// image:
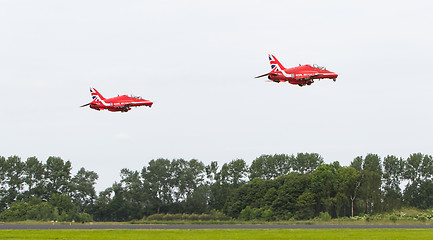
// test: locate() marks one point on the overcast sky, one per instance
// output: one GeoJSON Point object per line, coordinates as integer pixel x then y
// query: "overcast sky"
{"type": "Point", "coordinates": [197, 61]}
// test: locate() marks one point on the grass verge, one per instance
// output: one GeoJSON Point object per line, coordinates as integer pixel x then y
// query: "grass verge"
{"type": "Point", "coordinates": [357, 234]}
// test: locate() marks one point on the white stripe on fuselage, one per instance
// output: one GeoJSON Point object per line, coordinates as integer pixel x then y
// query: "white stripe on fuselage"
{"type": "Point", "coordinates": [104, 103]}
{"type": "Point", "coordinates": [118, 104]}
{"type": "Point", "coordinates": [292, 75]}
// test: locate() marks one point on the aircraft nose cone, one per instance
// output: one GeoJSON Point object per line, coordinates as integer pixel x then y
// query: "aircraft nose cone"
{"type": "Point", "coordinates": [333, 75]}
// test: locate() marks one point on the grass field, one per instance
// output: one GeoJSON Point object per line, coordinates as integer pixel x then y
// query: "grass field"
{"type": "Point", "coordinates": [357, 234]}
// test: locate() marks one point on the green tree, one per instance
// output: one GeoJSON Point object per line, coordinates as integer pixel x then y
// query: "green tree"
{"type": "Point", "coordinates": [348, 181]}
{"type": "Point", "coordinates": [305, 162]}
{"type": "Point", "coordinates": [419, 173]}
{"type": "Point", "coordinates": [419, 167]}
{"type": "Point", "coordinates": [269, 166]}
{"type": "Point", "coordinates": [234, 172]}
{"type": "Point", "coordinates": [187, 176]}
{"type": "Point", "coordinates": [198, 200]}
{"type": "Point", "coordinates": [305, 205]}
{"type": "Point", "coordinates": [159, 176]}
{"type": "Point", "coordinates": [34, 178]}
{"type": "Point", "coordinates": [31, 209]}
{"type": "Point", "coordinates": [100, 210]}
{"type": "Point", "coordinates": [63, 203]}
{"type": "Point", "coordinates": [425, 195]}
{"type": "Point", "coordinates": [323, 184]}
{"type": "Point", "coordinates": [413, 167]}
{"type": "Point", "coordinates": [12, 171]}
{"type": "Point", "coordinates": [3, 189]}
{"type": "Point", "coordinates": [16, 212]}
{"type": "Point", "coordinates": [136, 194]}
{"type": "Point", "coordinates": [246, 214]}
{"type": "Point", "coordinates": [83, 188]}
{"type": "Point", "coordinates": [57, 177]}
{"type": "Point", "coordinates": [117, 208]}
{"type": "Point", "coordinates": [218, 187]}
{"type": "Point", "coordinates": [369, 190]}
{"type": "Point", "coordinates": [230, 177]}
{"type": "Point", "coordinates": [357, 163]}
{"type": "Point", "coordinates": [290, 188]}
{"type": "Point", "coordinates": [393, 174]}
{"type": "Point", "coordinates": [257, 193]}
{"type": "Point", "coordinates": [211, 172]}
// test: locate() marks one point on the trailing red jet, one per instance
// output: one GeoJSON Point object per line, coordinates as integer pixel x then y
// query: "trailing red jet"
{"type": "Point", "coordinates": [116, 104]}
{"type": "Point", "coordinates": [301, 75]}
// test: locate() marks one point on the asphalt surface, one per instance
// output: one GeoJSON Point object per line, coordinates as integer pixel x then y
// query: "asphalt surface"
{"type": "Point", "coordinates": [138, 226]}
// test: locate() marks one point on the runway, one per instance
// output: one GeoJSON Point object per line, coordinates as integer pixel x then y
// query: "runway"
{"type": "Point", "coordinates": [197, 227]}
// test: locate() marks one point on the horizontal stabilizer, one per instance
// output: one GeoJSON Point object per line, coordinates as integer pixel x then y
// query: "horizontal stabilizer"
{"type": "Point", "coordinates": [264, 75]}
{"type": "Point", "coordinates": [85, 105]}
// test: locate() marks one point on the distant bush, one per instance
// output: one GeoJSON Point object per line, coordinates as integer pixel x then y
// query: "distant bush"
{"type": "Point", "coordinates": [36, 209]}
{"type": "Point", "coordinates": [377, 217]}
{"type": "Point", "coordinates": [218, 215]}
{"type": "Point", "coordinates": [172, 217]}
{"type": "Point", "coordinates": [286, 216]}
{"type": "Point", "coordinates": [193, 217]}
{"type": "Point", "coordinates": [85, 217]}
{"type": "Point", "coordinates": [268, 215]}
{"type": "Point", "coordinates": [393, 218]}
{"type": "Point", "coordinates": [155, 217]}
{"type": "Point", "coordinates": [421, 218]}
{"type": "Point", "coordinates": [356, 218]}
{"type": "Point", "coordinates": [246, 213]}
{"type": "Point", "coordinates": [205, 217]}
{"type": "Point", "coordinates": [213, 216]}
{"type": "Point", "coordinates": [249, 213]}
{"type": "Point", "coordinates": [367, 218]}
{"type": "Point", "coordinates": [324, 216]}
{"type": "Point", "coordinates": [16, 212]}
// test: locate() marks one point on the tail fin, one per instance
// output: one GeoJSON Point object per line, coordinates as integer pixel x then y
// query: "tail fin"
{"type": "Point", "coordinates": [96, 96]}
{"type": "Point", "coordinates": [275, 64]}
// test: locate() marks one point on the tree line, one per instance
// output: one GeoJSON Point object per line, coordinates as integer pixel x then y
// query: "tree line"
{"type": "Point", "coordinates": [273, 187]}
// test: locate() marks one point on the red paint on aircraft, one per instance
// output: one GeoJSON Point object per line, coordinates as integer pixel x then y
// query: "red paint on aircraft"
{"type": "Point", "coordinates": [116, 104]}
{"type": "Point", "coordinates": [301, 75]}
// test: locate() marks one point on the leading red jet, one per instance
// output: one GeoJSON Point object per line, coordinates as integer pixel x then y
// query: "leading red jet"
{"type": "Point", "coordinates": [116, 104]}
{"type": "Point", "coordinates": [301, 75]}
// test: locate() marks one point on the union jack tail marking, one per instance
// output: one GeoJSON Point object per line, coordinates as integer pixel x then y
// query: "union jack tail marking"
{"type": "Point", "coordinates": [275, 64]}
{"type": "Point", "coordinates": [96, 96]}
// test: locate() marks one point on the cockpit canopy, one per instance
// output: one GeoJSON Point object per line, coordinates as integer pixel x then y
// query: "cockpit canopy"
{"type": "Point", "coordinates": [133, 96]}
{"type": "Point", "coordinates": [318, 67]}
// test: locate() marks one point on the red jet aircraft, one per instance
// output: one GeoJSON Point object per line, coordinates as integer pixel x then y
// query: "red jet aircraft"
{"type": "Point", "coordinates": [301, 75]}
{"type": "Point", "coordinates": [116, 104]}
